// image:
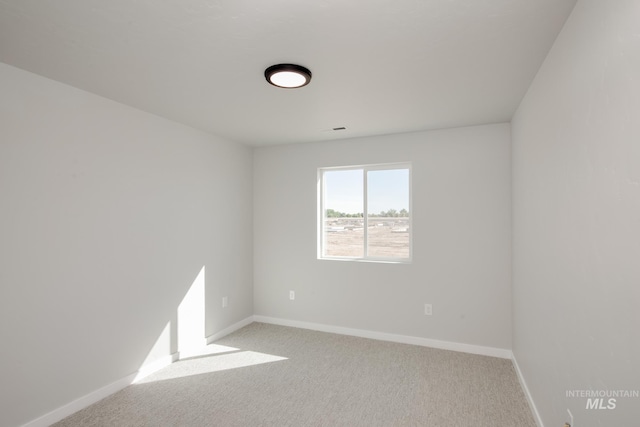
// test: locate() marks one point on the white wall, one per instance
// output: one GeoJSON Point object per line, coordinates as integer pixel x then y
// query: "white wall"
{"type": "Point", "coordinates": [576, 191]}
{"type": "Point", "coordinates": [107, 216]}
{"type": "Point", "coordinates": [461, 260]}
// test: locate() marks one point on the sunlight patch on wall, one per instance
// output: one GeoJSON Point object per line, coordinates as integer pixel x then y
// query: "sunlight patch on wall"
{"type": "Point", "coordinates": [191, 317]}
{"type": "Point", "coordinates": [162, 346]}
{"type": "Point", "coordinates": [159, 356]}
{"type": "Point", "coordinates": [184, 334]}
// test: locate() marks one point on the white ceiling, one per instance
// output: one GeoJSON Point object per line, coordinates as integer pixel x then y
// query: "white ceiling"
{"type": "Point", "coordinates": [379, 66]}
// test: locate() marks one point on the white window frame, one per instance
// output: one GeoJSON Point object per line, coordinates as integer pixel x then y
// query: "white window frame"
{"type": "Point", "coordinates": [322, 209]}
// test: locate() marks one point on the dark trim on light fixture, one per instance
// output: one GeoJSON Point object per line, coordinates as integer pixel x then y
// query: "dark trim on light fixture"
{"type": "Point", "coordinates": [288, 76]}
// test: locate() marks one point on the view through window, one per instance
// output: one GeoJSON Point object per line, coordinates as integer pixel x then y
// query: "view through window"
{"type": "Point", "coordinates": [366, 212]}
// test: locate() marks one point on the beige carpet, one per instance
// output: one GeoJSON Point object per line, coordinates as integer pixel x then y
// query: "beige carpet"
{"type": "Point", "coordinates": [266, 375]}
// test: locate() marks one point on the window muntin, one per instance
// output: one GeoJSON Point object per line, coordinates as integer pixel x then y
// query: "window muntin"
{"type": "Point", "coordinates": [365, 213]}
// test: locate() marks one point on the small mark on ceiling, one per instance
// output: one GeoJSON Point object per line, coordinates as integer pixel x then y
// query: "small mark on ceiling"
{"type": "Point", "coordinates": [333, 129]}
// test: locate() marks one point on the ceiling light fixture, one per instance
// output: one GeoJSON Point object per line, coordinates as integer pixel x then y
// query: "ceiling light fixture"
{"type": "Point", "coordinates": [288, 76]}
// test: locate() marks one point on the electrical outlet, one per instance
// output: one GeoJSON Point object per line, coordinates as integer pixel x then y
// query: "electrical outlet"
{"type": "Point", "coordinates": [428, 310]}
{"type": "Point", "coordinates": [570, 418]}
{"type": "Point", "coordinates": [292, 295]}
{"type": "Point", "coordinates": [225, 302]}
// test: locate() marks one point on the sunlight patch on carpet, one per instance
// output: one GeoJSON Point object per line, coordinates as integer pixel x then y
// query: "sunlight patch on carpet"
{"type": "Point", "coordinates": [213, 363]}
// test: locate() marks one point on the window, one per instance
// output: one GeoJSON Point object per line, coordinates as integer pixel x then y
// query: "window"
{"type": "Point", "coordinates": [365, 212]}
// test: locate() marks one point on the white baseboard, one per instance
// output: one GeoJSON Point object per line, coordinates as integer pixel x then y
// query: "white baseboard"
{"type": "Point", "coordinates": [93, 397]}
{"type": "Point", "coordinates": [523, 383]}
{"type": "Point", "coordinates": [226, 331]}
{"type": "Point", "coordinates": [81, 403]}
{"type": "Point", "coordinates": [382, 336]}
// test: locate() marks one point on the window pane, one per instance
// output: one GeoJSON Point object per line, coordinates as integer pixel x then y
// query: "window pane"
{"type": "Point", "coordinates": [388, 209]}
{"type": "Point", "coordinates": [343, 213]}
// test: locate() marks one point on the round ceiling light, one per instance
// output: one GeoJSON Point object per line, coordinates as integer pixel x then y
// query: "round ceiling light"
{"type": "Point", "coordinates": [288, 76]}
